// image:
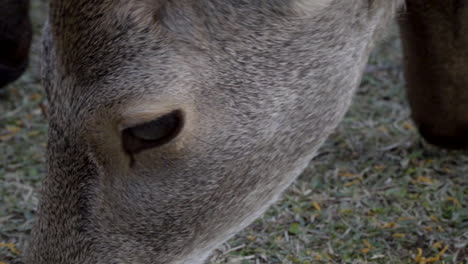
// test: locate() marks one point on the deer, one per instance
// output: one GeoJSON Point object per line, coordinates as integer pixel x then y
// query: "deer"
{"type": "Point", "coordinates": [15, 39]}
{"type": "Point", "coordinates": [173, 124]}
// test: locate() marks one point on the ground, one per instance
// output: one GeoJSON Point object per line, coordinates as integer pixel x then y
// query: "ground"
{"type": "Point", "coordinates": [376, 192]}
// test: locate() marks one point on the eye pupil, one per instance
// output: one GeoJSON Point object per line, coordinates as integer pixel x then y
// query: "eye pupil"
{"type": "Point", "coordinates": [152, 134]}
{"type": "Point", "coordinates": [156, 129]}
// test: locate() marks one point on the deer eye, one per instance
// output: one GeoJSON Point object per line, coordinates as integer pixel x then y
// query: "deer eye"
{"type": "Point", "coordinates": [152, 134]}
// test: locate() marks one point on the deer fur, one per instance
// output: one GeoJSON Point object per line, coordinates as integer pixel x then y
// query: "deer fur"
{"type": "Point", "coordinates": [15, 39]}
{"type": "Point", "coordinates": [435, 45]}
{"type": "Point", "coordinates": [261, 83]}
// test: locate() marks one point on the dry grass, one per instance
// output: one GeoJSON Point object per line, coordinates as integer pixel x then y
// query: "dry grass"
{"type": "Point", "coordinates": [375, 194]}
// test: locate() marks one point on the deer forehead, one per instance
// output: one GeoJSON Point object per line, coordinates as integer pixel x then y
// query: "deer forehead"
{"type": "Point", "coordinates": [123, 52]}
{"type": "Point", "coordinates": [309, 7]}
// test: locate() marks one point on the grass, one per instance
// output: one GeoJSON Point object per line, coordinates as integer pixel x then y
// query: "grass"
{"type": "Point", "coordinates": [376, 193]}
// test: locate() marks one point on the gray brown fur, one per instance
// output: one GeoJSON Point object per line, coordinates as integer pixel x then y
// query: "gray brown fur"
{"type": "Point", "coordinates": [262, 85]}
